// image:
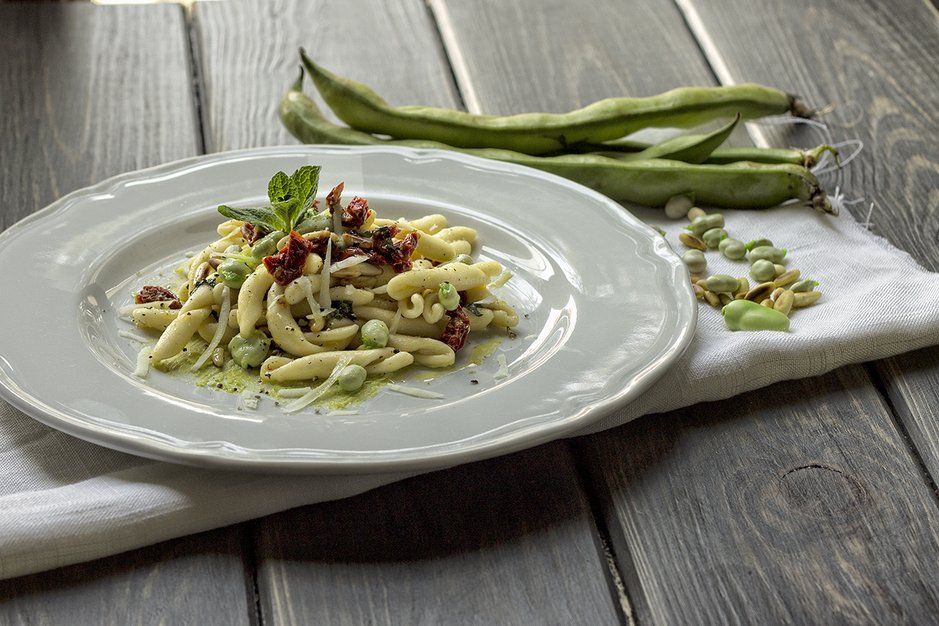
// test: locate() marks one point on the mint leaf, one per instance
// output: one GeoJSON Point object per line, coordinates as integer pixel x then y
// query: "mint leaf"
{"type": "Point", "coordinates": [259, 216]}
{"type": "Point", "coordinates": [283, 212]}
{"type": "Point", "coordinates": [306, 180]}
{"type": "Point", "coordinates": [281, 188]}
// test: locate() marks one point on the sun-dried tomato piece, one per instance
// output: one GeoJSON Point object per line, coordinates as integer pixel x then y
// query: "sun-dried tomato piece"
{"type": "Point", "coordinates": [351, 251]}
{"type": "Point", "coordinates": [152, 293]}
{"type": "Point", "coordinates": [334, 197]}
{"type": "Point", "coordinates": [403, 251]}
{"type": "Point", "coordinates": [397, 254]}
{"type": "Point", "coordinates": [454, 335]}
{"type": "Point", "coordinates": [355, 213]}
{"type": "Point", "coordinates": [251, 233]}
{"type": "Point", "coordinates": [287, 265]}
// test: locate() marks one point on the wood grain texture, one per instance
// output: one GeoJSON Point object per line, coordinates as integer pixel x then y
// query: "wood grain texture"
{"type": "Point", "coordinates": [718, 513]}
{"type": "Point", "coordinates": [879, 64]}
{"type": "Point", "coordinates": [87, 92]}
{"type": "Point", "coordinates": [508, 541]}
{"type": "Point", "coordinates": [248, 53]}
{"type": "Point", "coordinates": [912, 382]}
{"type": "Point", "coordinates": [762, 511]}
{"type": "Point", "coordinates": [199, 579]}
{"type": "Point", "coordinates": [496, 542]}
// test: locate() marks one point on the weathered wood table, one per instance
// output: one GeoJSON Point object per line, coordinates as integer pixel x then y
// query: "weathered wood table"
{"type": "Point", "coordinates": [809, 501]}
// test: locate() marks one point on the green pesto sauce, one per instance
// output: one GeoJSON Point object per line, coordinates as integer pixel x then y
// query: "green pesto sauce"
{"type": "Point", "coordinates": [232, 379]}
{"type": "Point", "coordinates": [485, 349]}
{"type": "Point", "coordinates": [336, 399]}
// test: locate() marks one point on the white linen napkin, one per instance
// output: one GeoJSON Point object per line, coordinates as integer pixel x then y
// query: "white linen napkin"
{"type": "Point", "coordinates": [64, 501]}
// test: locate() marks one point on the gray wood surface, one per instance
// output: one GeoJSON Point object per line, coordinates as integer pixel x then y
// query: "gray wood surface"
{"type": "Point", "coordinates": [200, 579]}
{"type": "Point", "coordinates": [504, 541]}
{"type": "Point", "coordinates": [491, 543]}
{"type": "Point", "coordinates": [877, 62]}
{"type": "Point", "coordinates": [757, 511]}
{"type": "Point", "coordinates": [248, 53]}
{"type": "Point", "coordinates": [88, 92]}
{"type": "Point", "coordinates": [695, 539]}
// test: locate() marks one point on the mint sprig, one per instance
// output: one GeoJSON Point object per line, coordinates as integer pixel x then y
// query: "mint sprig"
{"type": "Point", "coordinates": [291, 199]}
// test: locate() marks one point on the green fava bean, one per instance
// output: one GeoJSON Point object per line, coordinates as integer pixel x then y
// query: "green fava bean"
{"type": "Point", "coordinates": [266, 245]}
{"type": "Point", "coordinates": [748, 315]}
{"type": "Point", "coordinates": [233, 272]}
{"type": "Point", "coordinates": [352, 377]}
{"type": "Point", "coordinates": [769, 253]}
{"type": "Point", "coordinates": [757, 243]}
{"type": "Point", "coordinates": [651, 182]}
{"type": "Point", "coordinates": [721, 283]}
{"type": "Point", "coordinates": [321, 221]}
{"type": "Point", "coordinates": [803, 286]}
{"type": "Point", "coordinates": [702, 224]}
{"type": "Point", "coordinates": [677, 207]}
{"type": "Point", "coordinates": [695, 261]}
{"type": "Point", "coordinates": [762, 271]}
{"type": "Point", "coordinates": [461, 258]}
{"type": "Point", "coordinates": [375, 334]}
{"type": "Point", "coordinates": [713, 238]}
{"type": "Point", "coordinates": [733, 249]}
{"type": "Point", "coordinates": [448, 295]}
{"type": "Point", "coordinates": [249, 351]}
{"type": "Point", "coordinates": [362, 108]}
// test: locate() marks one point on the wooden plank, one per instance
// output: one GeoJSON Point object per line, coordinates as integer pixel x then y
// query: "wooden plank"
{"type": "Point", "coordinates": [405, 553]}
{"type": "Point", "coordinates": [761, 511]}
{"type": "Point", "coordinates": [879, 64]}
{"type": "Point", "coordinates": [89, 92]}
{"type": "Point", "coordinates": [501, 541]}
{"type": "Point", "coordinates": [554, 55]}
{"type": "Point", "coordinates": [718, 513]}
{"type": "Point", "coordinates": [248, 53]}
{"type": "Point", "coordinates": [196, 580]}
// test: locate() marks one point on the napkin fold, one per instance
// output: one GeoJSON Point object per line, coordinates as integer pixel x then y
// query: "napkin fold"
{"type": "Point", "coordinates": [64, 501]}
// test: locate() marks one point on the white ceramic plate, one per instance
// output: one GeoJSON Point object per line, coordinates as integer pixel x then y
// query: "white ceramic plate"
{"type": "Point", "coordinates": [607, 308]}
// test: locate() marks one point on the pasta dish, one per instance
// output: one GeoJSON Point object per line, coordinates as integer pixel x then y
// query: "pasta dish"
{"type": "Point", "coordinates": [297, 294]}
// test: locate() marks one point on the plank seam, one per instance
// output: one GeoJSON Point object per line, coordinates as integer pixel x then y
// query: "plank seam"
{"type": "Point", "coordinates": [882, 386]}
{"type": "Point", "coordinates": [622, 599]}
{"type": "Point", "coordinates": [459, 69]}
{"type": "Point", "coordinates": [250, 560]}
{"type": "Point", "coordinates": [714, 60]}
{"type": "Point", "coordinates": [197, 85]}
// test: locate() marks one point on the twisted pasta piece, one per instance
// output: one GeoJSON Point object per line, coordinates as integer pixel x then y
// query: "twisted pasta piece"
{"type": "Point", "coordinates": [157, 319]}
{"type": "Point", "coordinates": [411, 308]}
{"type": "Point", "coordinates": [433, 311]}
{"type": "Point", "coordinates": [336, 338]}
{"type": "Point", "coordinates": [178, 334]}
{"type": "Point", "coordinates": [504, 315]}
{"type": "Point", "coordinates": [250, 298]}
{"type": "Point", "coordinates": [322, 364]}
{"type": "Point", "coordinates": [389, 364]}
{"type": "Point", "coordinates": [417, 327]}
{"type": "Point", "coordinates": [225, 228]}
{"type": "Point", "coordinates": [208, 328]}
{"type": "Point", "coordinates": [458, 233]}
{"type": "Point", "coordinates": [460, 275]}
{"type": "Point", "coordinates": [427, 352]}
{"type": "Point", "coordinates": [283, 328]}
{"type": "Point", "coordinates": [349, 293]}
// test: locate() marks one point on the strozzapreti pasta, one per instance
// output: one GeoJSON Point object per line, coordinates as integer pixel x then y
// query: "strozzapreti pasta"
{"type": "Point", "coordinates": [337, 294]}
